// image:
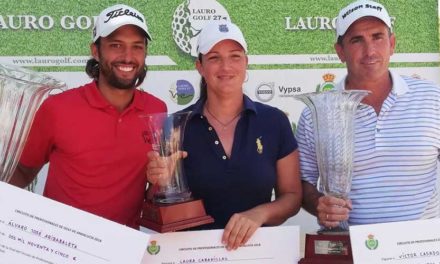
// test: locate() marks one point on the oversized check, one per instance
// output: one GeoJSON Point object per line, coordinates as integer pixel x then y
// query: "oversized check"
{"type": "Point", "coordinates": [34, 229]}
{"type": "Point", "coordinates": [269, 245]}
{"type": "Point", "coordinates": [415, 242]}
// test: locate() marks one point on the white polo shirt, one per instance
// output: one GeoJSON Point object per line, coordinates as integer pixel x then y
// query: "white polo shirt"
{"type": "Point", "coordinates": [396, 154]}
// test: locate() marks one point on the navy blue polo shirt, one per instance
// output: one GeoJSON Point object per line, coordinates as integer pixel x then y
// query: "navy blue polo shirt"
{"type": "Point", "coordinates": [263, 135]}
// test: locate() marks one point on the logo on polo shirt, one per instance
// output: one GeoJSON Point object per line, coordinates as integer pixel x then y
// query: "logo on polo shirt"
{"type": "Point", "coordinates": [181, 92]}
{"type": "Point", "coordinates": [259, 145]}
{"type": "Point", "coordinates": [146, 135]}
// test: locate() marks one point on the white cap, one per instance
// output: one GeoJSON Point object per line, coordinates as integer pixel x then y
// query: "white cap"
{"type": "Point", "coordinates": [358, 9]}
{"type": "Point", "coordinates": [115, 17]}
{"type": "Point", "coordinates": [215, 31]}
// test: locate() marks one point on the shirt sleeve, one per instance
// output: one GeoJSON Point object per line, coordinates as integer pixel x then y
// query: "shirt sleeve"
{"type": "Point", "coordinates": [306, 147]}
{"type": "Point", "coordinates": [40, 140]}
{"type": "Point", "coordinates": [287, 141]}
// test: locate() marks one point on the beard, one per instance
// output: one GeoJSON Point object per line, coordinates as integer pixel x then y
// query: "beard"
{"type": "Point", "coordinates": [106, 71]}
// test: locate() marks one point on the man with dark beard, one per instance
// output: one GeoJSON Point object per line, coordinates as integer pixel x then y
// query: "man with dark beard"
{"type": "Point", "coordinates": [92, 135]}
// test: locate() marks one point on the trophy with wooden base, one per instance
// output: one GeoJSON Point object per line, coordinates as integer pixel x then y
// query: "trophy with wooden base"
{"type": "Point", "coordinates": [168, 205]}
{"type": "Point", "coordinates": [333, 123]}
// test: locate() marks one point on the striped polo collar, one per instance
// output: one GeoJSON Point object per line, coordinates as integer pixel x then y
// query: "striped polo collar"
{"type": "Point", "coordinates": [400, 87]}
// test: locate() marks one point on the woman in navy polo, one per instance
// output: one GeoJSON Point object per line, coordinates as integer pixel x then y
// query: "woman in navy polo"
{"type": "Point", "coordinates": [239, 151]}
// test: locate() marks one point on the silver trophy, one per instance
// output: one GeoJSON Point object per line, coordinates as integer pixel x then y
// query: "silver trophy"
{"type": "Point", "coordinates": [171, 206]}
{"type": "Point", "coordinates": [165, 134]}
{"type": "Point", "coordinates": [21, 93]}
{"type": "Point", "coordinates": [333, 123]}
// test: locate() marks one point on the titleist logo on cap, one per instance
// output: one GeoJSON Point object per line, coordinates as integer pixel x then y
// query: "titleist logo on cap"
{"type": "Point", "coordinates": [120, 12]}
{"type": "Point", "coordinates": [351, 10]}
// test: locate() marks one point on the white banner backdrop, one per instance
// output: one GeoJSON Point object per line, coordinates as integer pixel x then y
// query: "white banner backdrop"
{"type": "Point", "coordinates": [273, 87]}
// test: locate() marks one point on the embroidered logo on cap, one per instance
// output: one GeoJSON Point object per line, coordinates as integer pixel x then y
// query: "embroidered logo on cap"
{"type": "Point", "coordinates": [119, 12]}
{"type": "Point", "coordinates": [368, 6]}
{"type": "Point", "coordinates": [223, 28]}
